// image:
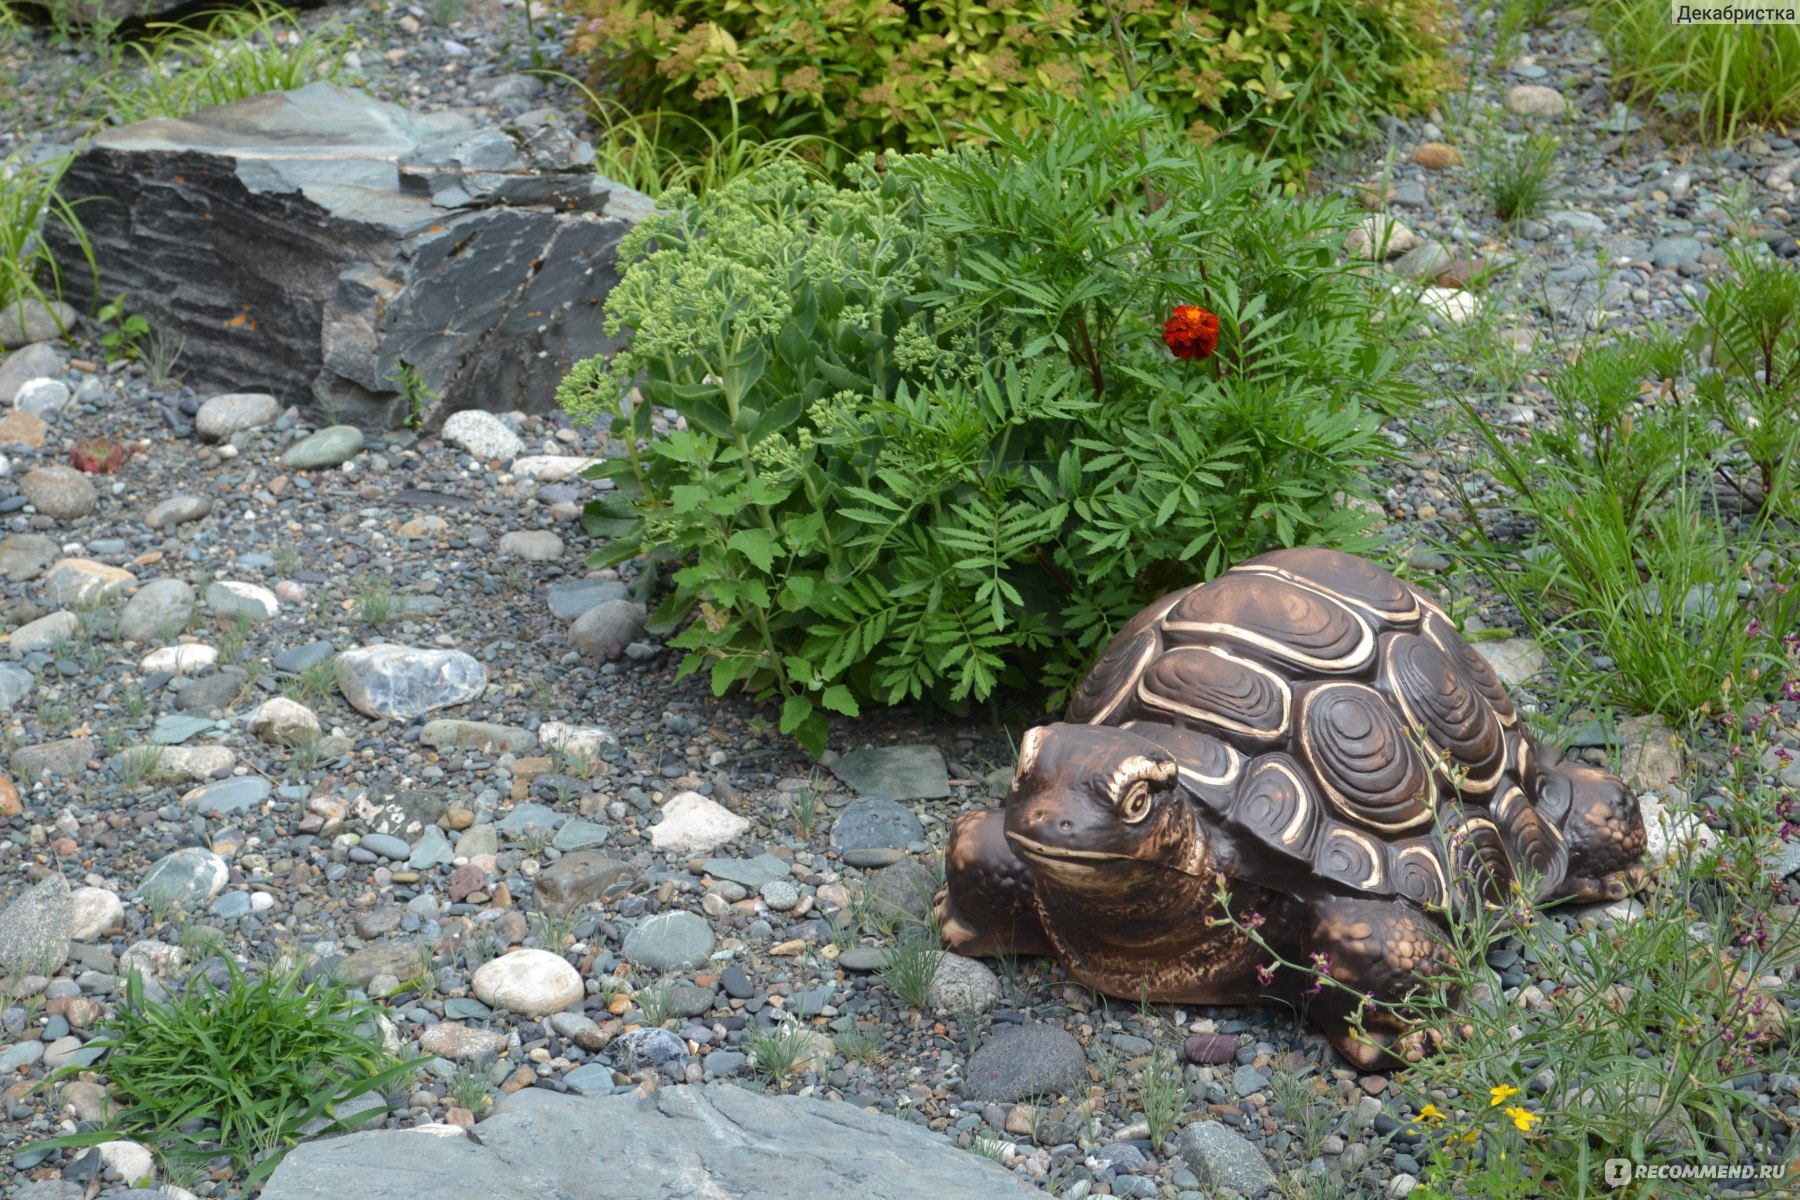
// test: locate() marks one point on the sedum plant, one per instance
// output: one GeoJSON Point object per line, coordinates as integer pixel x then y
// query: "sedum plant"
{"type": "Point", "coordinates": [948, 428]}
{"type": "Point", "coordinates": [873, 74]}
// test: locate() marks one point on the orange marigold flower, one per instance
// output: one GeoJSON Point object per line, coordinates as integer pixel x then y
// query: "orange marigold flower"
{"type": "Point", "coordinates": [1192, 332]}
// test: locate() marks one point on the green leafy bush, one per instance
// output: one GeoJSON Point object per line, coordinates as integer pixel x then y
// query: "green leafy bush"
{"type": "Point", "coordinates": [238, 1070]}
{"type": "Point", "coordinates": [934, 440]}
{"type": "Point", "coordinates": [875, 74]}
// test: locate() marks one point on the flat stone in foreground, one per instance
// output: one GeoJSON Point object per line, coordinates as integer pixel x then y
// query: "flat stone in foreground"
{"type": "Point", "coordinates": [718, 1140]}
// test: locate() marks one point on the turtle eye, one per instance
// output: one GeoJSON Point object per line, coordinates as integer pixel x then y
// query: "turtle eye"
{"type": "Point", "coordinates": [1136, 805]}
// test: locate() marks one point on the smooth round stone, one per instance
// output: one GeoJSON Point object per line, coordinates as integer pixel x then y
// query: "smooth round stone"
{"type": "Point", "coordinates": [158, 608]}
{"type": "Point", "coordinates": [60, 493]}
{"type": "Point", "coordinates": [299, 658]}
{"type": "Point", "coordinates": [532, 545]}
{"type": "Point", "coordinates": [231, 598]}
{"type": "Point", "coordinates": [96, 910]}
{"type": "Point", "coordinates": [386, 845]}
{"type": "Point", "coordinates": [28, 319]}
{"type": "Point", "coordinates": [329, 447]}
{"type": "Point", "coordinates": [572, 597]}
{"type": "Point", "coordinates": [231, 906]}
{"type": "Point", "coordinates": [780, 894]}
{"type": "Point", "coordinates": [530, 982]}
{"type": "Point", "coordinates": [962, 984]}
{"type": "Point", "coordinates": [484, 435]}
{"type": "Point", "coordinates": [403, 682]}
{"type": "Point", "coordinates": [670, 942]}
{"type": "Point", "coordinates": [234, 412]}
{"type": "Point", "coordinates": [43, 397]}
{"type": "Point", "coordinates": [36, 361]}
{"type": "Point", "coordinates": [185, 659]}
{"type": "Point", "coordinates": [1022, 1061]}
{"type": "Point", "coordinates": [229, 796]}
{"type": "Point", "coordinates": [604, 630]}
{"type": "Point", "coordinates": [283, 722]}
{"type": "Point", "coordinates": [177, 510]}
{"type": "Point", "coordinates": [190, 878]}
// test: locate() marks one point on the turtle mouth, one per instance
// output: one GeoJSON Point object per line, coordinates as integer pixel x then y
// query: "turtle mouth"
{"type": "Point", "coordinates": [1031, 848]}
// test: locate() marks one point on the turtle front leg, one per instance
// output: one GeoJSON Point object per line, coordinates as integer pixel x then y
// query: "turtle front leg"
{"type": "Point", "coordinates": [1376, 948]}
{"type": "Point", "coordinates": [985, 906]}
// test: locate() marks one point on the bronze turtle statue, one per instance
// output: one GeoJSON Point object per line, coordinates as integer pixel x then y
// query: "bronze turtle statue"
{"type": "Point", "coordinates": [1315, 731]}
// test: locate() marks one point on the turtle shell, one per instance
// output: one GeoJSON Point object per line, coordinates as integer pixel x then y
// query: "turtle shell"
{"type": "Point", "coordinates": [1328, 717]}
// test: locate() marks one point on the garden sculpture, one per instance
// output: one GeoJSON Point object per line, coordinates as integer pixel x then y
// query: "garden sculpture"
{"type": "Point", "coordinates": [1304, 752]}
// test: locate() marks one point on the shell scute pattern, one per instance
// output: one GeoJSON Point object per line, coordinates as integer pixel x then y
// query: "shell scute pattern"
{"type": "Point", "coordinates": [1336, 720]}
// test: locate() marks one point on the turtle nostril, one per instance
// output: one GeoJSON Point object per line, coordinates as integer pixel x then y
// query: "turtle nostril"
{"type": "Point", "coordinates": [1065, 826]}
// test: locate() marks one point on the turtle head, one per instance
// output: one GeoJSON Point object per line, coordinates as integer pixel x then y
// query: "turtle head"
{"type": "Point", "coordinates": [1091, 802]}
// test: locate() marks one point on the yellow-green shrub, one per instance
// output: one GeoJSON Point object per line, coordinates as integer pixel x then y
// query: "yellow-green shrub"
{"type": "Point", "coordinates": [875, 74]}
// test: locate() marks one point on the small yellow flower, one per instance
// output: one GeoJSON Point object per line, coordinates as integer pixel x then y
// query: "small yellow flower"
{"type": "Point", "coordinates": [1432, 1113]}
{"type": "Point", "coordinates": [1502, 1094]}
{"type": "Point", "coordinates": [1521, 1118]}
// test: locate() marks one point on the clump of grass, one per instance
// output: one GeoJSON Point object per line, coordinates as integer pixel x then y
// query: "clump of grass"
{"type": "Point", "coordinates": [805, 808]}
{"type": "Point", "coordinates": [911, 967]}
{"type": "Point", "coordinates": [312, 685]}
{"type": "Point", "coordinates": [374, 603]}
{"type": "Point", "coordinates": [29, 199]}
{"type": "Point", "coordinates": [647, 151]}
{"type": "Point", "coordinates": [237, 53]}
{"type": "Point", "coordinates": [1715, 77]}
{"type": "Point", "coordinates": [859, 1044]}
{"type": "Point", "coordinates": [656, 1002]}
{"type": "Point", "coordinates": [1516, 173]}
{"type": "Point", "coordinates": [469, 1088]}
{"type": "Point", "coordinates": [1163, 1093]}
{"type": "Point", "coordinates": [776, 1052]}
{"type": "Point", "coordinates": [236, 1072]}
{"type": "Point", "coordinates": [138, 764]}
{"type": "Point", "coordinates": [1304, 1112]}
{"type": "Point", "coordinates": [1642, 564]}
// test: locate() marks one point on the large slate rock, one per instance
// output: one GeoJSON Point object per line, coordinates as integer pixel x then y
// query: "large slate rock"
{"type": "Point", "coordinates": [304, 244]}
{"type": "Point", "coordinates": [719, 1140]}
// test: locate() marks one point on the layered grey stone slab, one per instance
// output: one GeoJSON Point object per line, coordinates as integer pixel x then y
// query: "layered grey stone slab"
{"type": "Point", "coordinates": [717, 1140]}
{"type": "Point", "coordinates": [306, 244]}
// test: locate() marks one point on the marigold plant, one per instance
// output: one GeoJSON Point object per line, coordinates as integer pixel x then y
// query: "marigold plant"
{"type": "Point", "coordinates": [935, 442]}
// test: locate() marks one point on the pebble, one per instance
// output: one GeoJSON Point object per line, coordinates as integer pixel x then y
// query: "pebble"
{"type": "Point", "coordinates": [328, 447]}
{"type": "Point", "coordinates": [234, 412]}
{"type": "Point", "coordinates": [1535, 100]}
{"type": "Point", "coordinates": [60, 493]}
{"type": "Point", "coordinates": [484, 435]}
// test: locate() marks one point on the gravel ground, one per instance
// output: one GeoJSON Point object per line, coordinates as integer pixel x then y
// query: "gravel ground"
{"type": "Point", "coordinates": [391, 845]}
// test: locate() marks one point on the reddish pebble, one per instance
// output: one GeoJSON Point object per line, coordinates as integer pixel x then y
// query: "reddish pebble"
{"type": "Point", "coordinates": [290, 591]}
{"type": "Point", "coordinates": [64, 846]}
{"type": "Point", "coordinates": [1211, 1049]}
{"type": "Point", "coordinates": [465, 881]}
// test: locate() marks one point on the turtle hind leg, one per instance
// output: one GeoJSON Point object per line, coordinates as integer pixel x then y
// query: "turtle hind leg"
{"type": "Point", "coordinates": [1381, 950]}
{"type": "Point", "coordinates": [985, 906]}
{"type": "Point", "coordinates": [1605, 834]}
